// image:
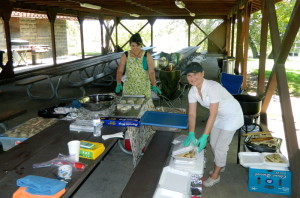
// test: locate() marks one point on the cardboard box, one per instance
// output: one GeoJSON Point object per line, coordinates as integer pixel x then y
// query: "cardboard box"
{"type": "Point", "coordinates": [93, 152]}
{"type": "Point", "coordinates": [114, 121]}
{"type": "Point", "coordinates": [270, 181]}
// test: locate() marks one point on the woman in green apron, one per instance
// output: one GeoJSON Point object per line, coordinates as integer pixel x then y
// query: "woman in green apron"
{"type": "Point", "coordinates": [139, 70]}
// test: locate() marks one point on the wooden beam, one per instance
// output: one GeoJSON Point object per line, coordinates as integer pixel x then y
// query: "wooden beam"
{"type": "Point", "coordinates": [275, 38]}
{"type": "Point", "coordinates": [101, 20]}
{"type": "Point", "coordinates": [189, 21]}
{"type": "Point", "coordinates": [246, 39]}
{"type": "Point", "coordinates": [263, 51]}
{"type": "Point", "coordinates": [151, 21]}
{"type": "Point", "coordinates": [232, 34]}
{"type": "Point", "coordinates": [279, 74]}
{"type": "Point", "coordinates": [228, 29]}
{"type": "Point", "coordinates": [80, 18]}
{"type": "Point", "coordinates": [51, 13]}
{"type": "Point", "coordinates": [239, 42]}
{"type": "Point", "coordinates": [6, 10]}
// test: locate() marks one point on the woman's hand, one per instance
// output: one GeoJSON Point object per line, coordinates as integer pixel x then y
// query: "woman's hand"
{"type": "Point", "coordinates": [119, 88]}
{"type": "Point", "coordinates": [190, 139]}
{"type": "Point", "coordinates": [155, 89]}
{"type": "Point", "coordinates": [202, 142]}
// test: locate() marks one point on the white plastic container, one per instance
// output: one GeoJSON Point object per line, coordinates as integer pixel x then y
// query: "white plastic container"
{"type": "Point", "coordinates": [255, 159]}
{"type": "Point", "coordinates": [165, 193]}
{"type": "Point", "coordinates": [175, 180]}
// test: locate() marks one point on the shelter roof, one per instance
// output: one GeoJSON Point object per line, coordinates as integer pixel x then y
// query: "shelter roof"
{"type": "Point", "coordinates": [144, 8]}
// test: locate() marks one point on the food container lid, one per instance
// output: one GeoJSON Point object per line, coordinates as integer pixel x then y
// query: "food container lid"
{"type": "Point", "coordinates": [180, 149]}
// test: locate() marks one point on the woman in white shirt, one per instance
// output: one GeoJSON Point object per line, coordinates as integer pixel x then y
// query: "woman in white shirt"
{"type": "Point", "coordinates": [226, 116]}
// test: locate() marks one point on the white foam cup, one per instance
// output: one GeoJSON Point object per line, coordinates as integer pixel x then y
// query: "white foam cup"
{"type": "Point", "coordinates": [74, 147]}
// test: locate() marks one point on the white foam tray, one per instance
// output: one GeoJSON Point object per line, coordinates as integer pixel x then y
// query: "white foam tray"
{"type": "Point", "coordinates": [165, 193]}
{"type": "Point", "coordinates": [255, 159]}
{"type": "Point", "coordinates": [175, 180]}
{"type": "Point", "coordinates": [179, 149]}
{"type": "Point", "coordinates": [193, 167]}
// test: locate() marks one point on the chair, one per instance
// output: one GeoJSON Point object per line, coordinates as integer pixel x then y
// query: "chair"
{"type": "Point", "coordinates": [232, 83]}
{"type": "Point", "coordinates": [171, 87]}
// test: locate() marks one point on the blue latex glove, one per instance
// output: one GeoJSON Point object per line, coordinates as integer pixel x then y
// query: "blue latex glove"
{"type": "Point", "coordinates": [119, 88]}
{"type": "Point", "coordinates": [190, 139]}
{"type": "Point", "coordinates": [155, 89]}
{"type": "Point", "coordinates": [202, 142]}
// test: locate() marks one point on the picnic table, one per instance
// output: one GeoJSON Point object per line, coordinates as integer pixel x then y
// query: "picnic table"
{"type": "Point", "coordinates": [44, 146]}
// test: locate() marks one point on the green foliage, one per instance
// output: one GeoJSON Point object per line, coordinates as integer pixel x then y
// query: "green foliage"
{"type": "Point", "coordinates": [293, 78]}
{"type": "Point", "coordinates": [283, 11]}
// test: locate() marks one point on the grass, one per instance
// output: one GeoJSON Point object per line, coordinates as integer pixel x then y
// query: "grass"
{"type": "Point", "coordinates": [293, 78]}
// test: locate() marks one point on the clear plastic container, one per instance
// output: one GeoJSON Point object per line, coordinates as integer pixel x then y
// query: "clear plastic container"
{"type": "Point", "coordinates": [97, 126]}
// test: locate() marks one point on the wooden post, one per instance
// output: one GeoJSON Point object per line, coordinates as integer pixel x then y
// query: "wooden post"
{"type": "Point", "coordinates": [263, 51]}
{"type": "Point", "coordinates": [51, 13]}
{"type": "Point", "coordinates": [151, 21]}
{"type": "Point", "coordinates": [189, 21]}
{"type": "Point", "coordinates": [228, 28]}
{"type": "Point", "coordinates": [80, 20]}
{"type": "Point", "coordinates": [246, 39]}
{"type": "Point", "coordinates": [102, 35]}
{"type": "Point", "coordinates": [8, 69]}
{"type": "Point", "coordinates": [232, 34]}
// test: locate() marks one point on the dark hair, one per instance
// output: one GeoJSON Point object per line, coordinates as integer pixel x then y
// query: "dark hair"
{"type": "Point", "coordinates": [136, 38]}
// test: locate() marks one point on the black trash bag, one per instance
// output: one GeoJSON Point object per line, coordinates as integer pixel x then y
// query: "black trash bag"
{"type": "Point", "coordinates": [49, 112]}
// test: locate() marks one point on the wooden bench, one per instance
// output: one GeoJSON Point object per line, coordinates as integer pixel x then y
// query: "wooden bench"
{"type": "Point", "coordinates": [89, 69]}
{"type": "Point", "coordinates": [8, 115]}
{"type": "Point", "coordinates": [145, 177]}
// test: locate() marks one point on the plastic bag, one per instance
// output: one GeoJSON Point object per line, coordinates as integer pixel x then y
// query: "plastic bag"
{"type": "Point", "coordinates": [61, 160]}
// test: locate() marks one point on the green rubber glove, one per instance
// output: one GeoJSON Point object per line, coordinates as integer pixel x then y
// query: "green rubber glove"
{"type": "Point", "coordinates": [119, 88]}
{"type": "Point", "coordinates": [202, 142]}
{"type": "Point", "coordinates": [190, 139]}
{"type": "Point", "coordinates": [155, 89]}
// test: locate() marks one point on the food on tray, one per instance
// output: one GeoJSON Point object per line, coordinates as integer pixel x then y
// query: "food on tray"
{"type": "Point", "coordinates": [136, 106]}
{"type": "Point", "coordinates": [30, 127]}
{"type": "Point", "coordinates": [260, 139]}
{"type": "Point", "coordinates": [190, 154]}
{"type": "Point", "coordinates": [274, 158]}
{"type": "Point", "coordinates": [119, 106]}
{"type": "Point", "coordinates": [130, 101]}
{"type": "Point", "coordinates": [123, 102]}
{"type": "Point", "coordinates": [125, 108]}
{"type": "Point", "coordinates": [140, 101]}
{"type": "Point", "coordinates": [270, 143]}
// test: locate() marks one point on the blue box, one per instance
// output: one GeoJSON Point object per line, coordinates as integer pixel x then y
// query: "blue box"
{"type": "Point", "coordinates": [10, 142]}
{"type": "Point", "coordinates": [270, 181]}
{"type": "Point", "coordinates": [124, 122]}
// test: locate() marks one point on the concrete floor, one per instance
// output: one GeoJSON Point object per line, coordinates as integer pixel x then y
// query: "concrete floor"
{"type": "Point", "coordinates": [111, 176]}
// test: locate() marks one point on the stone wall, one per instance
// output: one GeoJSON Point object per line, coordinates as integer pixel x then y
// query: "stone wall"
{"type": "Point", "coordinates": [37, 32]}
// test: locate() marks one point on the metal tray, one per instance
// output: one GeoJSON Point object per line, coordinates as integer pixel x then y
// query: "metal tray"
{"type": "Point", "coordinates": [263, 147]}
{"type": "Point", "coordinates": [131, 113]}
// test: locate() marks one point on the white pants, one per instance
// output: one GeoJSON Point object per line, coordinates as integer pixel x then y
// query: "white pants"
{"type": "Point", "coordinates": [220, 141]}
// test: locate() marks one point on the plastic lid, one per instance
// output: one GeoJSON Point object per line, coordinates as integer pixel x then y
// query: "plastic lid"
{"type": "Point", "coordinates": [180, 149]}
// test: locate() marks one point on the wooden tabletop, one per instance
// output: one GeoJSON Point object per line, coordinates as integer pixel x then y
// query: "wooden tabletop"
{"type": "Point", "coordinates": [44, 146]}
{"type": "Point", "coordinates": [146, 175]}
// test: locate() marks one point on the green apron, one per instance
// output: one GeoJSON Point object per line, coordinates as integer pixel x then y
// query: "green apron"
{"type": "Point", "coordinates": [137, 79]}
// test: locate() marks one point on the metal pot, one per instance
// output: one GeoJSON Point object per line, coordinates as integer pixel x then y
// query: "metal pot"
{"type": "Point", "coordinates": [97, 102]}
{"type": "Point", "coordinates": [251, 105]}
{"type": "Point", "coordinates": [156, 63]}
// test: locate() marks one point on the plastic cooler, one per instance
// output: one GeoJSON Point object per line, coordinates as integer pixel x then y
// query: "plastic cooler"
{"type": "Point", "coordinates": [10, 142]}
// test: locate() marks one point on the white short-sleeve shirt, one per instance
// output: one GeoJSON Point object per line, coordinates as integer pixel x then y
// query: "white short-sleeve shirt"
{"type": "Point", "coordinates": [230, 115]}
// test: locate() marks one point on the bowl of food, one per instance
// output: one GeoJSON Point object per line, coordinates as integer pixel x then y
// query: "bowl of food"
{"type": "Point", "coordinates": [98, 102]}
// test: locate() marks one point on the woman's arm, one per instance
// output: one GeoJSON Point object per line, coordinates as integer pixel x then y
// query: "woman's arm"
{"type": "Point", "coordinates": [213, 111]}
{"type": "Point", "coordinates": [151, 70]}
{"type": "Point", "coordinates": [192, 116]}
{"type": "Point", "coordinates": [121, 68]}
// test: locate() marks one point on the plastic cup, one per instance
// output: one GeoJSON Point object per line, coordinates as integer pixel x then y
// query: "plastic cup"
{"type": "Point", "coordinates": [74, 147]}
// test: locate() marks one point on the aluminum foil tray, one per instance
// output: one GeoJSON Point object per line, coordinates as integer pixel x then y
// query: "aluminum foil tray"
{"type": "Point", "coordinates": [129, 106]}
